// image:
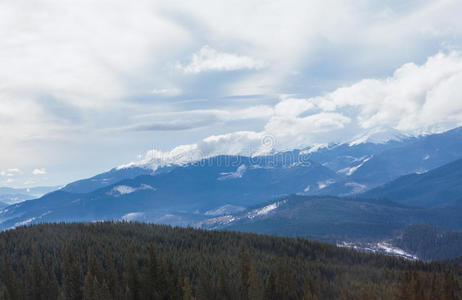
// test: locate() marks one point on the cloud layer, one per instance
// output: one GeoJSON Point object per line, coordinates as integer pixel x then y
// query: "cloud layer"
{"type": "Point", "coordinates": [84, 87]}
{"type": "Point", "coordinates": [415, 100]}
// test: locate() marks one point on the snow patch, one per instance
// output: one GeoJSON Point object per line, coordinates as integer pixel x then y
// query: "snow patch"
{"type": "Point", "coordinates": [314, 148]}
{"type": "Point", "coordinates": [216, 222]}
{"type": "Point", "coordinates": [25, 222]}
{"type": "Point", "coordinates": [265, 210]}
{"type": "Point", "coordinates": [350, 171]}
{"type": "Point", "coordinates": [132, 216]}
{"type": "Point", "coordinates": [126, 189]}
{"type": "Point", "coordinates": [382, 247]}
{"type": "Point", "coordinates": [224, 210]}
{"type": "Point", "coordinates": [232, 175]}
{"type": "Point", "coordinates": [379, 136]}
{"type": "Point", "coordinates": [357, 187]}
{"type": "Point", "coordinates": [324, 184]}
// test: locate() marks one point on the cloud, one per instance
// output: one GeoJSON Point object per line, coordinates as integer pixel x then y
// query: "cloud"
{"type": "Point", "coordinates": [192, 119]}
{"type": "Point", "coordinates": [416, 99]}
{"type": "Point", "coordinates": [70, 75]}
{"type": "Point", "coordinates": [40, 171]}
{"type": "Point", "coordinates": [209, 59]}
{"type": "Point", "coordinates": [170, 92]}
{"type": "Point", "coordinates": [11, 172]}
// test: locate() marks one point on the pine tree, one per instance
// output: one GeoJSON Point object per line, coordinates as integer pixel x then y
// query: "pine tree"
{"type": "Point", "coordinates": [271, 292]}
{"type": "Point", "coordinates": [187, 290]}
{"type": "Point", "coordinates": [245, 274]}
{"type": "Point", "coordinates": [151, 280]}
{"type": "Point", "coordinates": [10, 281]}
{"type": "Point", "coordinates": [223, 287]}
{"type": "Point", "coordinates": [72, 286]}
{"type": "Point", "coordinates": [51, 286]}
{"type": "Point", "coordinates": [310, 289]}
{"type": "Point", "coordinates": [255, 285]}
{"type": "Point", "coordinates": [133, 282]}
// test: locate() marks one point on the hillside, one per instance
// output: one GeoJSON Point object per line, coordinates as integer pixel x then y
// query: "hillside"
{"type": "Point", "coordinates": [438, 187]}
{"type": "Point", "coordinates": [424, 153]}
{"type": "Point", "coordinates": [179, 196]}
{"type": "Point", "coordinates": [430, 242]}
{"type": "Point", "coordinates": [333, 218]}
{"type": "Point", "coordinates": [140, 261]}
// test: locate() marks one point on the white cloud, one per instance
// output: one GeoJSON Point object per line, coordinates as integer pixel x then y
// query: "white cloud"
{"type": "Point", "coordinates": [190, 119]}
{"type": "Point", "coordinates": [76, 69]}
{"type": "Point", "coordinates": [209, 59]}
{"type": "Point", "coordinates": [11, 172]}
{"type": "Point", "coordinates": [167, 92]}
{"type": "Point", "coordinates": [40, 171]}
{"type": "Point", "coordinates": [416, 99]}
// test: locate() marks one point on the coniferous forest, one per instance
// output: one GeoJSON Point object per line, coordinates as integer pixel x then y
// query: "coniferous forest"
{"type": "Point", "coordinates": [142, 261]}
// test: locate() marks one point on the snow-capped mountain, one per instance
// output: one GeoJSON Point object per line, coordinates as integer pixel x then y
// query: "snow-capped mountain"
{"type": "Point", "coordinates": [208, 187]}
{"type": "Point", "coordinates": [222, 185]}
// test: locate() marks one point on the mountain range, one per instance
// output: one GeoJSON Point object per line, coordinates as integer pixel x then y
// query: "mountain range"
{"type": "Point", "coordinates": [357, 190]}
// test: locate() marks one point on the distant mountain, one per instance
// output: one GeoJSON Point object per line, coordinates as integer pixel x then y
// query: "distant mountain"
{"type": "Point", "coordinates": [181, 195]}
{"type": "Point", "coordinates": [368, 165]}
{"type": "Point", "coordinates": [10, 195]}
{"type": "Point", "coordinates": [225, 185]}
{"type": "Point", "coordinates": [439, 187]}
{"type": "Point", "coordinates": [365, 162]}
{"type": "Point", "coordinates": [422, 154]}
{"type": "Point", "coordinates": [332, 218]}
{"type": "Point", "coordinates": [105, 179]}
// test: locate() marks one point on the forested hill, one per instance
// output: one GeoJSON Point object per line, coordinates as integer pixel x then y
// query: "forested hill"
{"type": "Point", "coordinates": [142, 261]}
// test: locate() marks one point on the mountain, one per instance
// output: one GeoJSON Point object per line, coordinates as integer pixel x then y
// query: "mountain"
{"type": "Point", "coordinates": [10, 195]}
{"type": "Point", "coordinates": [179, 196]}
{"type": "Point", "coordinates": [365, 162]}
{"type": "Point", "coordinates": [422, 154]}
{"type": "Point", "coordinates": [439, 187]}
{"type": "Point", "coordinates": [191, 192]}
{"type": "Point", "coordinates": [105, 179]}
{"type": "Point", "coordinates": [333, 219]}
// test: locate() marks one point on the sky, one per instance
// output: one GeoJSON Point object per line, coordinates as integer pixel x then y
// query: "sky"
{"type": "Point", "coordinates": [87, 86]}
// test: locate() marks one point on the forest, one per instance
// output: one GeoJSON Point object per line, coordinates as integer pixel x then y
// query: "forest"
{"type": "Point", "coordinates": [122, 260]}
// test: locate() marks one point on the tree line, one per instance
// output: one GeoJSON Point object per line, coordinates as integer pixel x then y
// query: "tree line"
{"type": "Point", "coordinates": [143, 261]}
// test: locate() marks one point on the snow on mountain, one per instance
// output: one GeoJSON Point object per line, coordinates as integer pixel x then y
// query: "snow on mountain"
{"type": "Point", "coordinates": [265, 210]}
{"type": "Point", "coordinates": [125, 189]}
{"type": "Point", "coordinates": [351, 170]}
{"type": "Point", "coordinates": [230, 218]}
{"type": "Point", "coordinates": [232, 175]}
{"type": "Point", "coordinates": [133, 216]}
{"type": "Point", "coordinates": [382, 247]}
{"type": "Point", "coordinates": [224, 210]}
{"type": "Point", "coordinates": [324, 184]}
{"type": "Point", "coordinates": [379, 136]}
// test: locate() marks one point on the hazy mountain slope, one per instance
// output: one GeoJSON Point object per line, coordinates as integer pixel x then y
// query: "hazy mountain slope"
{"type": "Point", "coordinates": [423, 154]}
{"type": "Point", "coordinates": [10, 195]}
{"type": "Point", "coordinates": [183, 192]}
{"type": "Point", "coordinates": [363, 163]}
{"type": "Point", "coordinates": [105, 179]}
{"type": "Point", "coordinates": [439, 187]}
{"type": "Point", "coordinates": [335, 217]}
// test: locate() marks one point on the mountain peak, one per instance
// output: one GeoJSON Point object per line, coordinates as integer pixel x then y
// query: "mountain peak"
{"type": "Point", "coordinates": [379, 135]}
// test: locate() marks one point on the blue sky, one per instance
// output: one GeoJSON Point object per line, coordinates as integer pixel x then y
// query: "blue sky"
{"type": "Point", "coordinates": [88, 86]}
